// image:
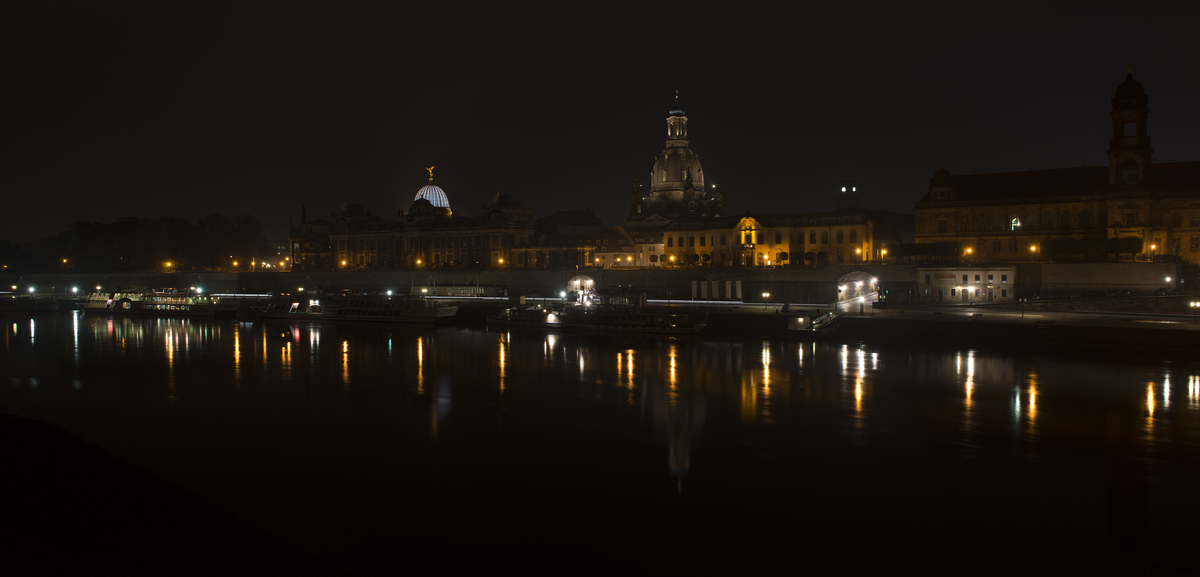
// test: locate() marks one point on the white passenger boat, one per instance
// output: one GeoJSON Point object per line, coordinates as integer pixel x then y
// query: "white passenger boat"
{"type": "Point", "coordinates": [159, 302]}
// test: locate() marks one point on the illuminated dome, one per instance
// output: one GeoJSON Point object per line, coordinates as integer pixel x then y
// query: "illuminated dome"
{"type": "Point", "coordinates": [434, 194]}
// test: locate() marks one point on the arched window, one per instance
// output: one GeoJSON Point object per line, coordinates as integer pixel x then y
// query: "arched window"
{"type": "Point", "coordinates": [825, 237]}
{"type": "Point", "coordinates": [1129, 172]}
{"type": "Point", "coordinates": [853, 236]}
{"type": "Point", "coordinates": [839, 240]}
{"type": "Point", "coordinates": [812, 237]}
{"type": "Point", "coordinates": [671, 241]}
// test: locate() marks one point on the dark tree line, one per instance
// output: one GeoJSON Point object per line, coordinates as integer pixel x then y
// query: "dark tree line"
{"type": "Point", "coordinates": [140, 244]}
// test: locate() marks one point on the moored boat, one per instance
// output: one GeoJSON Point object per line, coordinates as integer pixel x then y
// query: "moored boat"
{"type": "Point", "coordinates": [598, 319]}
{"type": "Point", "coordinates": [365, 308]}
{"type": "Point", "coordinates": [27, 304]}
{"type": "Point", "coordinates": [160, 302]}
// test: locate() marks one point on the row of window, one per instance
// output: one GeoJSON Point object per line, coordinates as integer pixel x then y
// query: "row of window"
{"type": "Point", "coordinates": [752, 237]}
{"type": "Point", "coordinates": [973, 292]}
{"type": "Point", "coordinates": [990, 279]}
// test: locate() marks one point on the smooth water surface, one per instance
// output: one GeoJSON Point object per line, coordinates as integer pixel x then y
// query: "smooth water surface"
{"type": "Point", "coordinates": [369, 445]}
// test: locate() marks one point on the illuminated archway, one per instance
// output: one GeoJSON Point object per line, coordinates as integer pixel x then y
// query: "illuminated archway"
{"type": "Point", "coordinates": [858, 284]}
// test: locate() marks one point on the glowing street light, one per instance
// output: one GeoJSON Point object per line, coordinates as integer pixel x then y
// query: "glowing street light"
{"type": "Point", "coordinates": [1033, 248]}
{"type": "Point", "coordinates": [389, 293]}
{"type": "Point", "coordinates": [969, 251]}
{"type": "Point", "coordinates": [74, 289]}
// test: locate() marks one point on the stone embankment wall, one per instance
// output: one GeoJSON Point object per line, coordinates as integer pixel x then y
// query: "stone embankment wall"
{"type": "Point", "coordinates": [1063, 279]}
{"type": "Point", "coordinates": [780, 284]}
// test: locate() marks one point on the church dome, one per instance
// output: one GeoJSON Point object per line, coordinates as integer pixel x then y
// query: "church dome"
{"type": "Point", "coordinates": [434, 194]}
{"type": "Point", "coordinates": [1130, 88]}
{"type": "Point", "coordinates": [673, 167]}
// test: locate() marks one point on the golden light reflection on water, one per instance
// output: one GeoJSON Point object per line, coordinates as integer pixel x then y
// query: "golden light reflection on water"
{"type": "Point", "coordinates": [749, 399]}
{"type": "Point", "coordinates": [502, 367]}
{"type": "Point", "coordinates": [1167, 392]}
{"type": "Point", "coordinates": [237, 355]}
{"type": "Point", "coordinates": [766, 363]}
{"type": "Point", "coordinates": [345, 362]}
{"type": "Point", "coordinates": [671, 357]}
{"type": "Point", "coordinates": [1033, 413]}
{"type": "Point", "coordinates": [1150, 399]}
{"type": "Point", "coordinates": [421, 370]}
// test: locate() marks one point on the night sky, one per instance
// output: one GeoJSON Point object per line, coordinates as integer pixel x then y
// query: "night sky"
{"type": "Point", "coordinates": [187, 109]}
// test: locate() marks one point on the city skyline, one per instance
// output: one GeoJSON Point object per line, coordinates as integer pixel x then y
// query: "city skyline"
{"type": "Point", "coordinates": [152, 112]}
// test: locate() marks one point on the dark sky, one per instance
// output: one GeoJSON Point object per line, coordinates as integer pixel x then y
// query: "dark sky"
{"type": "Point", "coordinates": [186, 109]}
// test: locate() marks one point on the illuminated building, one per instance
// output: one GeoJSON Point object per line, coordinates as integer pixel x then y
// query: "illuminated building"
{"type": "Point", "coordinates": [677, 186]}
{"type": "Point", "coordinates": [1008, 216]}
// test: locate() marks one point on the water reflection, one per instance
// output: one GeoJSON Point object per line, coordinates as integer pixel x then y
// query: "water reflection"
{"type": "Point", "coordinates": [420, 365]}
{"type": "Point", "coordinates": [502, 366]}
{"type": "Point", "coordinates": [668, 393]}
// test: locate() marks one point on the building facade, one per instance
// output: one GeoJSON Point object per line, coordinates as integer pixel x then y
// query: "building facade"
{"type": "Point", "coordinates": [1012, 216]}
{"type": "Point", "coordinates": [677, 182]}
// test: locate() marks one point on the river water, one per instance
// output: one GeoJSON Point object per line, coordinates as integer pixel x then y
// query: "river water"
{"type": "Point", "coordinates": [371, 446]}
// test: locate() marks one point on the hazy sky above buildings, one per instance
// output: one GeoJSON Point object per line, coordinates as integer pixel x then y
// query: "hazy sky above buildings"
{"type": "Point", "coordinates": [186, 109]}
